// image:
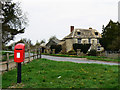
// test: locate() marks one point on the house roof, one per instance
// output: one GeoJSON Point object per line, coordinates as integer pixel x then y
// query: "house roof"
{"type": "Point", "coordinates": [43, 45]}
{"type": "Point", "coordinates": [53, 41]}
{"type": "Point", "coordinates": [56, 40]}
{"type": "Point", "coordinates": [83, 33]}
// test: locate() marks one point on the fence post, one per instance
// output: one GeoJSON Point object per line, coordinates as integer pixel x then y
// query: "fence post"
{"type": "Point", "coordinates": [53, 51]}
{"type": "Point", "coordinates": [29, 54]}
{"type": "Point", "coordinates": [49, 51]}
{"type": "Point", "coordinates": [33, 54]}
{"type": "Point", "coordinates": [24, 62]}
{"type": "Point", "coordinates": [106, 54]}
{"type": "Point", "coordinates": [37, 53]}
{"type": "Point", "coordinates": [24, 59]}
{"type": "Point", "coordinates": [40, 52]}
{"type": "Point", "coordinates": [7, 61]}
{"type": "Point", "coordinates": [78, 52]}
{"type": "Point", "coordinates": [119, 54]}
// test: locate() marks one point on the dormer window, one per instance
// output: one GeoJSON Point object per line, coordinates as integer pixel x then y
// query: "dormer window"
{"type": "Point", "coordinates": [96, 33]}
{"type": "Point", "coordinates": [98, 48]}
{"type": "Point", "coordinates": [89, 40]}
{"type": "Point", "coordinates": [79, 41]}
{"type": "Point", "coordinates": [97, 40]}
{"type": "Point", "coordinates": [78, 33]}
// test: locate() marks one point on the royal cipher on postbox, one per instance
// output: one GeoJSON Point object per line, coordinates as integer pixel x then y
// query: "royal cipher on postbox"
{"type": "Point", "coordinates": [19, 53]}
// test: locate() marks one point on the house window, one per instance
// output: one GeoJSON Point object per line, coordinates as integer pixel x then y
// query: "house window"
{"type": "Point", "coordinates": [89, 40]}
{"type": "Point", "coordinates": [93, 41]}
{"type": "Point", "coordinates": [96, 33]}
{"type": "Point", "coordinates": [78, 33]}
{"type": "Point", "coordinates": [84, 41]}
{"type": "Point", "coordinates": [79, 41]}
{"type": "Point", "coordinates": [98, 48]}
{"type": "Point", "coordinates": [97, 40]}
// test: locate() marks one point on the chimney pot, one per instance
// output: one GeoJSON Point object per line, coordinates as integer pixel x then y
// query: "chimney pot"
{"type": "Point", "coordinates": [90, 28]}
{"type": "Point", "coordinates": [71, 28]}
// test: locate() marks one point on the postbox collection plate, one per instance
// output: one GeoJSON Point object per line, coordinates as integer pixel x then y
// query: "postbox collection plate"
{"type": "Point", "coordinates": [18, 55]}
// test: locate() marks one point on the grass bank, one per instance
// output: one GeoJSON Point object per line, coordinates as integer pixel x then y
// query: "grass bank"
{"type": "Point", "coordinates": [99, 58]}
{"type": "Point", "coordinates": [43, 73]}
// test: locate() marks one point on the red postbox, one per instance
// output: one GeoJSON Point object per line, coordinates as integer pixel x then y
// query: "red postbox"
{"type": "Point", "coordinates": [19, 53]}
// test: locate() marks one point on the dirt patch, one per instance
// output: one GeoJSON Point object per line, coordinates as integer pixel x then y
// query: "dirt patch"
{"type": "Point", "coordinates": [18, 85]}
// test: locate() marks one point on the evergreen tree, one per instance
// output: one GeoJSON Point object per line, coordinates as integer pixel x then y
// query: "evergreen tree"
{"type": "Point", "coordinates": [42, 41]}
{"type": "Point", "coordinates": [52, 38]}
{"type": "Point", "coordinates": [110, 34]}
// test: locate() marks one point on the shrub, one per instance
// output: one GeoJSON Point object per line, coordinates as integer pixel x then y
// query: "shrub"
{"type": "Point", "coordinates": [92, 52]}
{"type": "Point", "coordinates": [57, 48]}
{"type": "Point", "coordinates": [43, 49]}
{"type": "Point", "coordinates": [72, 52]}
{"type": "Point", "coordinates": [84, 47]}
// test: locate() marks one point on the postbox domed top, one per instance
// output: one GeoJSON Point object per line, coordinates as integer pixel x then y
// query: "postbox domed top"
{"type": "Point", "coordinates": [20, 46]}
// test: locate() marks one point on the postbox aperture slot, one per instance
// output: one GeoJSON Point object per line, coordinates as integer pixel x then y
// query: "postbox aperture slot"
{"type": "Point", "coordinates": [18, 49]}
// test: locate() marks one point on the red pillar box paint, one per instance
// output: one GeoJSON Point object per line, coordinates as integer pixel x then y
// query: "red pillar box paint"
{"type": "Point", "coordinates": [19, 53]}
{"type": "Point", "coordinates": [19, 56]}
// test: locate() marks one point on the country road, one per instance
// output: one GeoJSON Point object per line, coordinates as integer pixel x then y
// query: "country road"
{"type": "Point", "coordinates": [55, 58]}
{"type": "Point", "coordinates": [78, 60]}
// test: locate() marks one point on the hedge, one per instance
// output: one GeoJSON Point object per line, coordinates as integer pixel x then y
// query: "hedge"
{"type": "Point", "coordinates": [57, 48]}
{"type": "Point", "coordinates": [84, 47]}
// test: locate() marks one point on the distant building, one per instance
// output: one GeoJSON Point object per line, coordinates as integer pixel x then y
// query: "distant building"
{"type": "Point", "coordinates": [53, 41]}
{"type": "Point", "coordinates": [81, 36]}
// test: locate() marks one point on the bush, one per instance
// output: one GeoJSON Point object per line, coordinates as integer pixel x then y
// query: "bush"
{"type": "Point", "coordinates": [43, 49]}
{"type": "Point", "coordinates": [72, 52]}
{"type": "Point", "coordinates": [57, 48]}
{"type": "Point", "coordinates": [92, 52]}
{"type": "Point", "coordinates": [84, 47]}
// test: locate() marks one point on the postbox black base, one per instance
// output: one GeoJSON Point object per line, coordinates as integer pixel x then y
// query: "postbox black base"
{"type": "Point", "coordinates": [19, 73]}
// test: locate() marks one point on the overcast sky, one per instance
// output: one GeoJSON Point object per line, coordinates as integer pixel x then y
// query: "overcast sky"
{"type": "Point", "coordinates": [54, 17]}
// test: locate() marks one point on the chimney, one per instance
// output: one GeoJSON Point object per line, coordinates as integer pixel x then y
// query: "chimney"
{"type": "Point", "coordinates": [71, 28]}
{"type": "Point", "coordinates": [90, 28]}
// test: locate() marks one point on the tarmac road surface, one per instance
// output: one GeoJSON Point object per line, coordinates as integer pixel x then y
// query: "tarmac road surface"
{"type": "Point", "coordinates": [78, 60]}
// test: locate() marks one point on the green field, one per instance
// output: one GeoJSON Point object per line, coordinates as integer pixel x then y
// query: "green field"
{"type": "Point", "coordinates": [43, 73]}
{"type": "Point", "coordinates": [99, 58]}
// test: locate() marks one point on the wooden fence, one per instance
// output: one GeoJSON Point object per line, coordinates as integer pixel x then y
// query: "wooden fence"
{"type": "Point", "coordinates": [30, 54]}
{"type": "Point", "coordinates": [112, 54]}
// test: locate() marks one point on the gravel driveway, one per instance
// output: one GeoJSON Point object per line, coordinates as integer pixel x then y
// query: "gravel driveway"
{"type": "Point", "coordinates": [78, 60]}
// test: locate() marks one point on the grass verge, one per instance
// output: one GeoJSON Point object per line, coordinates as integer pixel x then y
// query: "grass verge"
{"type": "Point", "coordinates": [4, 56]}
{"type": "Point", "coordinates": [99, 58]}
{"type": "Point", "coordinates": [43, 73]}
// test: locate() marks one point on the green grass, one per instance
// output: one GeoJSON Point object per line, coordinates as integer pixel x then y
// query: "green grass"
{"type": "Point", "coordinates": [4, 56]}
{"type": "Point", "coordinates": [10, 57]}
{"type": "Point", "coordinates": [100, 58]}
{"type": "Point", "coordinates": [43, 73]}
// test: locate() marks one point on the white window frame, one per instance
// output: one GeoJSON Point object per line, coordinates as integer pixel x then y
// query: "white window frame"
{"type": "Point", "coordinates": [98, 48]}
{"type": "Point", "coordinates": [79, 40]}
